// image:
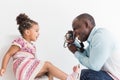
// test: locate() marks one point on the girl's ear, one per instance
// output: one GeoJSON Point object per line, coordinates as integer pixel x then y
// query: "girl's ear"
{"type": "Point", "coordinates": [27, 32]}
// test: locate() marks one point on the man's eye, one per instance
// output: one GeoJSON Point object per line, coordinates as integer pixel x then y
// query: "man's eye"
{"type": "Point", "coordinates": [76, 28]}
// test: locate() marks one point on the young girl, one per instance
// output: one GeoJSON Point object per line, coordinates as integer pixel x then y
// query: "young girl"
{"type": "Point", "coordinates": [22, 50]}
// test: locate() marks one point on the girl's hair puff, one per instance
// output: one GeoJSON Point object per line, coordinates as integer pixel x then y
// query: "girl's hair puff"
{"type": "Point", "coordinates": [24, 22]}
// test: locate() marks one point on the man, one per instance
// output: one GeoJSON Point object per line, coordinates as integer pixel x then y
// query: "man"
{"type": "Point", "coordinates": [102, 56]}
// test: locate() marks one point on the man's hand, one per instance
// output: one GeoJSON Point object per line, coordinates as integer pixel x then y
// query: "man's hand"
{"type": "Point", "coordinates": [72, 48]}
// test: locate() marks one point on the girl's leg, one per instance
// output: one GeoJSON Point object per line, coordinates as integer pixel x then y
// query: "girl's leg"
{"type": "Point", "coordinates": [49, 76]}
{"type": "Point", "coordinates": [52, 70]}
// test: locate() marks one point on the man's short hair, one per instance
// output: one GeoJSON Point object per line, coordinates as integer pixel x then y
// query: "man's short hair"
{"type": "Point", "coordinates": [86, 16]}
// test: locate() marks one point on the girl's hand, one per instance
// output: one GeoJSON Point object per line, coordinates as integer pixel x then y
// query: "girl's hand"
{"type": "Point", "coordinates": [2, 71]}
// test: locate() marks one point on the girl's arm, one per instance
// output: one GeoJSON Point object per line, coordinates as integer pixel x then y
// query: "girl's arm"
{"type": "Point", "coordinates": [12, 50]}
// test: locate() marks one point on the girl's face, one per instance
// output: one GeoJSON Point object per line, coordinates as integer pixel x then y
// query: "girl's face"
{"type": "Point", "coordinates": [32, 33]}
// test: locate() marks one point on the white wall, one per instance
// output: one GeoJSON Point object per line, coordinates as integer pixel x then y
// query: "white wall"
{"type": "Point", "coordinates": [55, 18]}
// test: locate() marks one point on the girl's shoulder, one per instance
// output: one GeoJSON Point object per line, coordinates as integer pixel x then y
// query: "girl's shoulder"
{"type": "Point", "coordinates": [19, 41]}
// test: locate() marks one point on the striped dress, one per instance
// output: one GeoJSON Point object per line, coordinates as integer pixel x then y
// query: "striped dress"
{"type": "Point", "coordinates": [25, 65]}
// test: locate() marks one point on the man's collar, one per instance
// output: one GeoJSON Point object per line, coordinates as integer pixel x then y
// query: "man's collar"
{"type": "Point", "coordinates": [91, 34]}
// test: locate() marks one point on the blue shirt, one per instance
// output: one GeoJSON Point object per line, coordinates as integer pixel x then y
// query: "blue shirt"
{"type": "Point", "coordinates": [101, 53]}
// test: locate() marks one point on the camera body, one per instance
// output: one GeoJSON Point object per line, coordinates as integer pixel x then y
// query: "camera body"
{"type": "Point", "coordinates": [70, 39]}
{"type": "Point", "coordinates": [70, 35]}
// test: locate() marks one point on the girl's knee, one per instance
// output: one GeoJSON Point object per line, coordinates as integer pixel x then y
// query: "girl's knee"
{"type": "Point", "coordinates": [48, 63]}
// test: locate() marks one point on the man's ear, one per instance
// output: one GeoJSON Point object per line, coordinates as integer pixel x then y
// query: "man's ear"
{"type": "Point", "coordinates": [27, 32]}
{"type": "Point", "coordinates": [87, 23]}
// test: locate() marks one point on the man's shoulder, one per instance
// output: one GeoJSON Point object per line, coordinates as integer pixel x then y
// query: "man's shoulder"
{"type": "Point", "coordinates": [103, 30]}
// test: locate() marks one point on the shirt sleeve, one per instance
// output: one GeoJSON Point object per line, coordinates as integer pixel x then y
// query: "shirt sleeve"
{"type": "Point", "coordinates": [18, 42]}
{"type": "Point", "coordinates": [99, 50]}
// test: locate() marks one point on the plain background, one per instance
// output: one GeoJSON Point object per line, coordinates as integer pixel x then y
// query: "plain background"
{"type": "Point", "coordinates": [55, 18]}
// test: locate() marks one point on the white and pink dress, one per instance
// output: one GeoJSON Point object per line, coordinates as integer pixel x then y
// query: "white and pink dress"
{"type": "Point", "coordinates": [25, 65]}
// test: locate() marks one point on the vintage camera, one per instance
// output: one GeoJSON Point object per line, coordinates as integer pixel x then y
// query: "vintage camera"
{"type": "Point", "coordinates": [70, 35]}
{"type": "Point", "coordinates": [69, 38]}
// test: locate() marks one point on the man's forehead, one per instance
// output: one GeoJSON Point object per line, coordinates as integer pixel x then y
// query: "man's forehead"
{"type": "Point", "coordinates": [75, 22]}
